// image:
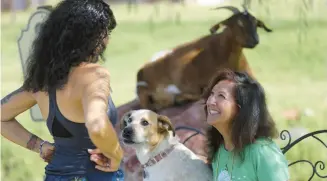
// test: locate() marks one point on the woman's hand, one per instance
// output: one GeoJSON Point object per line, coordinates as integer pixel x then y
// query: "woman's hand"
{"type": "Point", "coordinates": [103, 163]}
{"type": "Point", "coordinates": [46, 151]}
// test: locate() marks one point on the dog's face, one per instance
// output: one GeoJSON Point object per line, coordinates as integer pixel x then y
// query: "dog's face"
{"type": "Point", "coordinates": [144, 127]}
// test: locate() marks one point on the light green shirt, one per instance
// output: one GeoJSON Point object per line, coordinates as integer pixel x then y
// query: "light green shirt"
{"type": "Point", "coordinates": [263, 161]}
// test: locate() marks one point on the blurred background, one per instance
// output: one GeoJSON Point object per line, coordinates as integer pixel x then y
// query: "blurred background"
{"type": "Point", "coordinates": [290, 62]}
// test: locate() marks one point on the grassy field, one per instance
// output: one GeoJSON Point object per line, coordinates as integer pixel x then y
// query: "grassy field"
{"type": "Point", "coordinates": [291, 63]}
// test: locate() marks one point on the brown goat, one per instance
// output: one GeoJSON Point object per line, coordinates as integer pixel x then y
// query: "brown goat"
{"type": "Point", "coordinates": [181, 75]}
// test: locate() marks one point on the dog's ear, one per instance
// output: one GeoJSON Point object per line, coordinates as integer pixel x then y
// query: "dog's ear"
{"type": "Point", "coordinates": [125, 118]}
{"type": "Point", "coordinates": [165, 125]}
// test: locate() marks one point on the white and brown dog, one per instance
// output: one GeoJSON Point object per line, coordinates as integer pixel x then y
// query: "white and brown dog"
{"type": "Point", "coordinates": [160, 153]}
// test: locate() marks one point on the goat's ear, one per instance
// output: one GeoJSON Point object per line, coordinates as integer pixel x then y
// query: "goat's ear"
{"type": "Point", "coordinates": [215, 27]}
{"type": "Point", "coordinates": [261, 24]}
{"type": "Point", "coordinates": [124, 119]}
{"type": "Point", "coordinates": [165, 125]}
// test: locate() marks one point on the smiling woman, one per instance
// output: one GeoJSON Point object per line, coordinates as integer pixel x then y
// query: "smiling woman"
{"type": "Point", "coordinates": [241, 131]}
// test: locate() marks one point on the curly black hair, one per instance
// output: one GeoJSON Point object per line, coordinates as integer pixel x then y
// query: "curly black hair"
{"type": "Point", "coordinates": [252, 120]}
{"type": "Point", "coordinates": [73, 33]}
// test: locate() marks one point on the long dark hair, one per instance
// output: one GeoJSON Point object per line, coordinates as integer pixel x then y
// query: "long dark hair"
{"type": "Point", "coordinates": [73, 33]}
{"type": "Point", "coordinates": [252, 120]}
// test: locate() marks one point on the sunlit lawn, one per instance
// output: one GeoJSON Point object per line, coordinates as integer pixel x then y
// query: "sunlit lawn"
{"type": "Point", "coordinates": [293, 73]}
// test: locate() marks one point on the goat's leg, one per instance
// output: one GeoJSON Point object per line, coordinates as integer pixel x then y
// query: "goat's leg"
{"type": "Point", "coordinates": [144, 99]}
{"type": "Point", "coordinates": [244, 66]}
{"type": "Point", "coordinates": [185, 98]}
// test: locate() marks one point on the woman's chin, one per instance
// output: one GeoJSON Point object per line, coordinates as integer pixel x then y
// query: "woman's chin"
{"type": "Point", "coordinates": [212, 121]}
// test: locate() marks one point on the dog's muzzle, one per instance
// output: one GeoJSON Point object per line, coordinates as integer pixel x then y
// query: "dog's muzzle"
{"type": "Point", "coordinates": [127, 135]}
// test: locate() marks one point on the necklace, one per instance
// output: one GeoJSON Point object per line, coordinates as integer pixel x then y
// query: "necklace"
{"type": "Point", "coordinates": [226, 168]}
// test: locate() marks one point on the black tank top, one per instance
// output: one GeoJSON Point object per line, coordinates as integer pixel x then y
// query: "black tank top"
{"type": "Point", "coordinates": [71, 142]}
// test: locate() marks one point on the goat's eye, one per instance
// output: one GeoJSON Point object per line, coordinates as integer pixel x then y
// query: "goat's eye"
{"type": "Point", "coordinates": [239, 22]}
{"type": "Point", "coordinates": [144, 122]}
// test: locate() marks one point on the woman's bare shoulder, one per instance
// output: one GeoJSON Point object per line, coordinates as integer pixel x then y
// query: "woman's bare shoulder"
{"type": "Point", "coordinates": [88, 73]}
{"type": "Point", "coordinates": [84, 76]}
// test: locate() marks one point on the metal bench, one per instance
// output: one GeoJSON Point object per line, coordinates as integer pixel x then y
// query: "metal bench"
{"type": "Point", "coordinates": [284, 135]}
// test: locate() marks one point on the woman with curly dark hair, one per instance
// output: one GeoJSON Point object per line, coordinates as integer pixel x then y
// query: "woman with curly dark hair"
{"type": "Point", "coordinates": [241, 131]}
{"type": "Point", "coordinates": [73, 93]}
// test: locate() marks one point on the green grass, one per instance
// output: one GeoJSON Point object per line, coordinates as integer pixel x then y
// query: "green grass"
{"type": "Point", "coordinates": [293, 73]}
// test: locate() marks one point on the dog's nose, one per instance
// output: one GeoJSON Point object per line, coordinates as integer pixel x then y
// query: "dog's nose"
{"type": "Point", "coordinates": [127, 132]}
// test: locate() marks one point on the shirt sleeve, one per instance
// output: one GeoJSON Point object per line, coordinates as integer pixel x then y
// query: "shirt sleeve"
{"type": "Point", "coordinates": [270, 163]}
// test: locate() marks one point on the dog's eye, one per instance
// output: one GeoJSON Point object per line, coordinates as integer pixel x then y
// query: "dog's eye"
{"type": "Point", "coordinates": [144, 122]}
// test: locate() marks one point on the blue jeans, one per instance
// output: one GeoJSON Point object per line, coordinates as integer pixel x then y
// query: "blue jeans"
{"type": "Point", "coordinates": [113, 176]}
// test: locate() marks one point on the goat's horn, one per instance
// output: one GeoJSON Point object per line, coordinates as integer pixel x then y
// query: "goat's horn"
{"type": "Point", "coordinates": [231, 8]}
{"type": "Point", "coordinates": [245, 8]}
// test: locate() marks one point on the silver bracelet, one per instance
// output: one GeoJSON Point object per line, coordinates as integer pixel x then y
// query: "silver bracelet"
{"type": "Point", "coordinates": [41, 144]}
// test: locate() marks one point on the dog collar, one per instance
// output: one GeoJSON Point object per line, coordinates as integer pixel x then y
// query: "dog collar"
{"type": "Point", "coordinates": [158, 157]}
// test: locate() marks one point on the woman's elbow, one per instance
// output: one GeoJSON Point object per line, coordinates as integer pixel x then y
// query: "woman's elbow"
{"type": "Point", "coordinates": [5, 117]}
